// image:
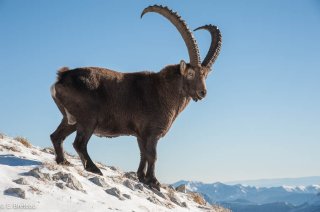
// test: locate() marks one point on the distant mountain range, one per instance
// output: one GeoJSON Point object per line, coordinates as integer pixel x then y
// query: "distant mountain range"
{"type": "Point", "coordinates": [250, 198]}
{"type": "Point", "coordinates": [301, 181]}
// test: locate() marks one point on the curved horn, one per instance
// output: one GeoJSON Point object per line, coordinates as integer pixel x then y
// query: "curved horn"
{"type": "Point", "coordinates": [216, 41]}
{"type": "Point", "coordinates": [182, 27]}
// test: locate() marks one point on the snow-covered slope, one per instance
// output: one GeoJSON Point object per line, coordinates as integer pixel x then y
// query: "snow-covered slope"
{"type": "Point", "coordinates": [30, 178]}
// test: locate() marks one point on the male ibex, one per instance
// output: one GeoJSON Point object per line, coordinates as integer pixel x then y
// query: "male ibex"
{"type": "Point", "coordinates": [144, 104]}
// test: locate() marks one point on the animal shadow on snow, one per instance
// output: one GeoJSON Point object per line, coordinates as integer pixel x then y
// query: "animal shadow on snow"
{"type": "Point", "coordinates": [12, 160]}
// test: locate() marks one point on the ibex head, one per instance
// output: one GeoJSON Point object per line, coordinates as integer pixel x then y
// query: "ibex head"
{"type": "Point", "coordinates": [195, 72]}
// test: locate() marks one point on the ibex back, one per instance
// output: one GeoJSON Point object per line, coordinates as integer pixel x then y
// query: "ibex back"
{"type": "Point", "coordinates": [143, 104]}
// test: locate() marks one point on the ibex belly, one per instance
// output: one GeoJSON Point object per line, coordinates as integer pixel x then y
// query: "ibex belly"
{"type": "Point", "coordinates": [112, 129]}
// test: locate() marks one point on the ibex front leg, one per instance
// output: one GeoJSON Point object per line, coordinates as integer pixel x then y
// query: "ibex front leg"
{"type": "Point", "coordinates": [141, 173]}
{"type": "Point", "coordinates": [151, 156]}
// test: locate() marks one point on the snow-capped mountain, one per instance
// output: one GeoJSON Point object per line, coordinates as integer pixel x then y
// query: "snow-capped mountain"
{"type": "Point", "coordinates": [30, 179]}
{"type": "Point", "coordinates": [301, 181]}
{"type": "Point", "coordinates": [244, 198]}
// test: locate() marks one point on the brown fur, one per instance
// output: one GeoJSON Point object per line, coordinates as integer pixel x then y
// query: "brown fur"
{"type": "Point", "coordinates": [109, 103]}
{"type": "Point", "coordinates": [143, 104]}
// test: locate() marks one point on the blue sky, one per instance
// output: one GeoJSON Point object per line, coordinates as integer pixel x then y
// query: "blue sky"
{"type": "Point", "coordinates": [260, 119]}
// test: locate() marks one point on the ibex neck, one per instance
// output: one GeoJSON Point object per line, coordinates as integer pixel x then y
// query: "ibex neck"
{"type": "Point", "coordinates": [172, 94]}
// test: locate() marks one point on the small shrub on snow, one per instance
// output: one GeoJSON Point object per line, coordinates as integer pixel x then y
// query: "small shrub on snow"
{"type": "Point", "coordinates": [24, 141]}
{"type": "Point", "coordinates": [198, 198]}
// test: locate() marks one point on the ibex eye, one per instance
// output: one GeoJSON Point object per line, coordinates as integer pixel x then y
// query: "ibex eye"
{"type": "Point", "coordinates": [190, 75]}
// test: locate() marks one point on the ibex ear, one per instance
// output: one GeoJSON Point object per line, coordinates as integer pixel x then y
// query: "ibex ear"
{"type": "Point", "coordinates": [183, 68]}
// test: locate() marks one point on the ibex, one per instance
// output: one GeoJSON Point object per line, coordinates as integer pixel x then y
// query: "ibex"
{"type": "Point", "coordinates": [143, 104]}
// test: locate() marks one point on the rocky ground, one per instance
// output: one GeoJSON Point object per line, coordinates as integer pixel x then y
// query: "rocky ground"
{"type": "Point", "coordinates": [30, 179]}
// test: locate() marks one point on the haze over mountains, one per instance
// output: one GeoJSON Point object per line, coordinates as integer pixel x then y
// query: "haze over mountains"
{"type": "Point", "coordinates": [250, 198]}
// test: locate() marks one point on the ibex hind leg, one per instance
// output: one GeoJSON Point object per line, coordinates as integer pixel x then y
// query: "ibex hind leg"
{"type": "Point", "coordinates": [80, 145]}
{"type": "Point", "coordinates": [57, 138]}
{"type": "Point", "coordinates": [141, 172]}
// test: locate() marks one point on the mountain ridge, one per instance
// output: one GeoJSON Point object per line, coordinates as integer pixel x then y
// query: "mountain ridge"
{"type": "Point", "coordinates": [250, 198]}
{"type": "Point", "coordinates": [273, 182]}
{"type": "Point", "coordinates": [268, 182]}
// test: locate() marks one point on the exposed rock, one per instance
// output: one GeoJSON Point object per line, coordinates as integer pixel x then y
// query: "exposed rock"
{"type": "Point", "coordinates": [38, 174]}
{"type": "Point", "coordinates": [115, 192]}
{"type": "Point", "coordinates": [99, 181]}
{"type": "Point", "coordinates": [34, 152]}
{"type": "Point", "coordinates": [184, 204]}
{"type": "Point", "coordinates": [175, 200]}
{"type": "Point", "coordinates": [60, 185]}
{"type": "Point", "coordinates": [182, 188]}
{"type": "Point", "coordinates": [35, 190]}
{"type": "Point", "coordinates": [12, 148]}
{"type": "Point", "coordinates": [154, 200]}
{"type": "Point", "coordinates": [69, 179]}
{"type": "Point", "coordinates": [170, 187]}
{"type": "Point", "coordinates": [159, 193]}
{"type": "Point", "coordinates": [129, 184]}
{"type": "Point", "coordinates": [16, 192]}
{"type": "Point", "coordinates": [52, 166]}
{"type": "Point", "coordinates": [60, 176]}
{"type": "Point", "coordinates": [21, 181]}
{"type": "Point", "coordinates": [169, 205]}
{"type": "Point", "coordinates": [171, 192]}
{"type": "Point", "coordinates": [131, 176]}
{"type": "Point", "coordinates": [126, 196]}
{"type": "Point", "coordinates": [113, 168]}
{"type": "Point", "coordinates": [139, 186]}
{"type": "Point", "coordinates": [116, 179]}
{"type": "Point", "coordinates": [48, 150]}
{"type": "Point", "coordinates": [167, 187]}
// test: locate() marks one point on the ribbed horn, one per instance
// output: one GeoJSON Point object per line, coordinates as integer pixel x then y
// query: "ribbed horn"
{"type": "Point", "coordinates": [216, 41]}
{"type": "Point", "coordinates": [182, 27]}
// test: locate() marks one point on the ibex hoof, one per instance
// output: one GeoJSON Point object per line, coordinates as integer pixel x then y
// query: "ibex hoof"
{"type": "Point", "coordinates": [63, 162]}
{"type": "Point", "coordinates": [142, 178]}
{"type": "Point", "coordinates": [94, 169]}
{"type": "Point", "coordinates": [153, 183]}
{"type": "Point", "coordinates": [155, 186]}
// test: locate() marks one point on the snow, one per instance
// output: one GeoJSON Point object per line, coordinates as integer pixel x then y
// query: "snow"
{"type": "Point", "coordinates": [44, 195]}
{"type": "Point", "coordinates": [289, 188]}
{"type": "Point", "coordinates": [303, 189]}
